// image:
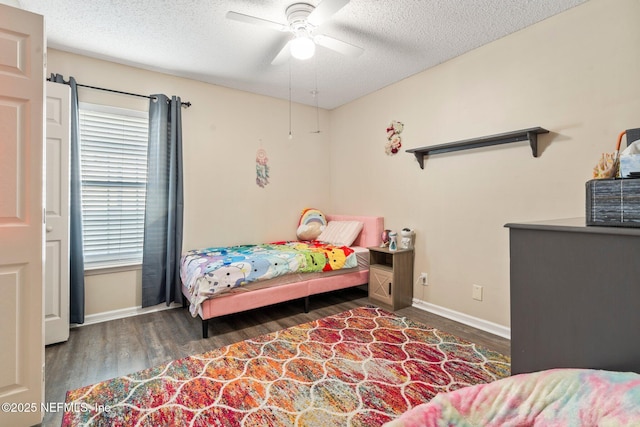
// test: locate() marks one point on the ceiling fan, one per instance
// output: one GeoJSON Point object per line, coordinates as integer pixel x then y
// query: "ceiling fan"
{"type": "Point", "coordinates": [302, 21]}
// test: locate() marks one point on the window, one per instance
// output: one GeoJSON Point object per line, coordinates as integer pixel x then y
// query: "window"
{"type": "Point", "coordinates": [113, 158]}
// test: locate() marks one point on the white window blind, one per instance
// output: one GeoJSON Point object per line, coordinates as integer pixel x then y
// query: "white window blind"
{"type": "Point", "coordinates": [113, 156]}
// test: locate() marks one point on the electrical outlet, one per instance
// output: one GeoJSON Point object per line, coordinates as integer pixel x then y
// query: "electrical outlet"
{"type": "Point", "coordinates": [423, 279]}
{"type": "Point", "coordinates": [477, 292]}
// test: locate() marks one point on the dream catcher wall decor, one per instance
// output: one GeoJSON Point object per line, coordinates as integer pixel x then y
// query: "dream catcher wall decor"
{"type": "Point", "coordinates": [262, 168]}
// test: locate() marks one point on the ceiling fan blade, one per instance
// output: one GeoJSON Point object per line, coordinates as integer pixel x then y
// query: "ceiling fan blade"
{"type": "Point", "coordinates": [256, 21]}
{"type": "Point", "coordinates": [324, 10]}
{"type": "Point", "coordinates": [283, 55]}
{"type": "Point", "coordinates": [338, 45]}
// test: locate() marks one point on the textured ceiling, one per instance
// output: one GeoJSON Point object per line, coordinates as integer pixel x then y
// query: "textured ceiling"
{"type": "Point", "coordinates": [193, 39]}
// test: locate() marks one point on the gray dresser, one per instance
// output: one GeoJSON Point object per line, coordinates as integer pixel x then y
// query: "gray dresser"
{"type": "Point", "coordinates": [575, 296]}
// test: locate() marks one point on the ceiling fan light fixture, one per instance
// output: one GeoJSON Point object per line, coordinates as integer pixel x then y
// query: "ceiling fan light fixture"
{"type": "Point", "coordinates": [302, 47]}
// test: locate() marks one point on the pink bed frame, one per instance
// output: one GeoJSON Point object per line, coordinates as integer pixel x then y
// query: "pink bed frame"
{"type": "Point", "coordinates": [238, 302]}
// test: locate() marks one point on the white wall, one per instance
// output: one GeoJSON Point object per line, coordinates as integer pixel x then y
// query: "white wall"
{"type": "Point", "coordinates": [576, 74]}
{"type": "Point", "coordinates": [222, 131]}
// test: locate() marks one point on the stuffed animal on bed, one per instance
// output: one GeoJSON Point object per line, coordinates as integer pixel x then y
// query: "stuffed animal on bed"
{"type": "Point", "coordinates": [312, 223]}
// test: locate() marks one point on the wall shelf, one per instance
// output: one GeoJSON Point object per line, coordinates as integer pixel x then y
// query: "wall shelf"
{"type": "Point", "coordinates": [530, 134]}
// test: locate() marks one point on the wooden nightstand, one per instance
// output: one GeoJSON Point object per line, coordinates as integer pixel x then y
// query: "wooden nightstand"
{"type": "Point", "coordinates": [391, 277]}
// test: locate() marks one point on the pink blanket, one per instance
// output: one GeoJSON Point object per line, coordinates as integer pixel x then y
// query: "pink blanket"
{"type": "Point", "coordinates": [557, 397]}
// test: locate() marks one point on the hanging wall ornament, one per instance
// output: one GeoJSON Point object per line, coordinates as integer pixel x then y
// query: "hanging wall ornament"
{"type": "Point", "coordinates": [262, 168]}
{"type": "Point", "coordinates": [394, 142]}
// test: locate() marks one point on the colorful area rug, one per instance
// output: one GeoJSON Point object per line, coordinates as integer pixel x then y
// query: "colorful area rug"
{"type": "Point", "coordinates": [363, 367]}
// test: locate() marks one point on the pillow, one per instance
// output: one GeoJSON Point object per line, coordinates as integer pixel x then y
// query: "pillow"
{"type": "Point", "coordinates": [312, 223]}
{"type": "Point", "coordinates": [341, 233]}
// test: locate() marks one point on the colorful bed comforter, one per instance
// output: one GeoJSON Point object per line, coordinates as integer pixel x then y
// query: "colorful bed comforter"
{"type": "Point", "coordinates": [557, 397]}
{"type": "Point", "coordinates": [211, 271]}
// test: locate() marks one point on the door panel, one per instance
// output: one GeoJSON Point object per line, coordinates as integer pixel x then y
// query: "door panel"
{"type": "Point", "coordinates": [380, 282]}
{"type": "Point", "coordinates": [22, 48]}
{"type": "Point", "coordinates": [56, 278]}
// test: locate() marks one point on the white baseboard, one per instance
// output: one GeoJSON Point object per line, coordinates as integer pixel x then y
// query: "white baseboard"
{"type": "Point", "coordinates": [492, 328]}
{"type": "Point", "coordinates": [105, 316]}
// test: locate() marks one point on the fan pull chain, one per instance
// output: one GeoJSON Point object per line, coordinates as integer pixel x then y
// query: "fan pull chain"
{"type": "Point", "coordinates": [290, 134]}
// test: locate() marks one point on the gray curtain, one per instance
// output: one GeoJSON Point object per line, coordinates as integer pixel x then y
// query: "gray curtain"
{"type": "Point", "coordinates": [164, 205]}
{"type": "Point", "coordinates": [76, 252]}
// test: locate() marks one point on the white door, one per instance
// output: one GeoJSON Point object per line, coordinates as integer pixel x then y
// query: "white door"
{"type": "Point", "coordinates": [56, 265]}
{"type": "Point", "coordinates": [22, 50]}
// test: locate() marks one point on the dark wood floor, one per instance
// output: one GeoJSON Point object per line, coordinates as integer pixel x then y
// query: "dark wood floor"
{"type": "Point", "coordinates": [101, 351]}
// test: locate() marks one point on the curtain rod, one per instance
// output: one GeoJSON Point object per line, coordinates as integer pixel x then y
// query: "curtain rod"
{"type": "Point", "coordinates": [184, 104]}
